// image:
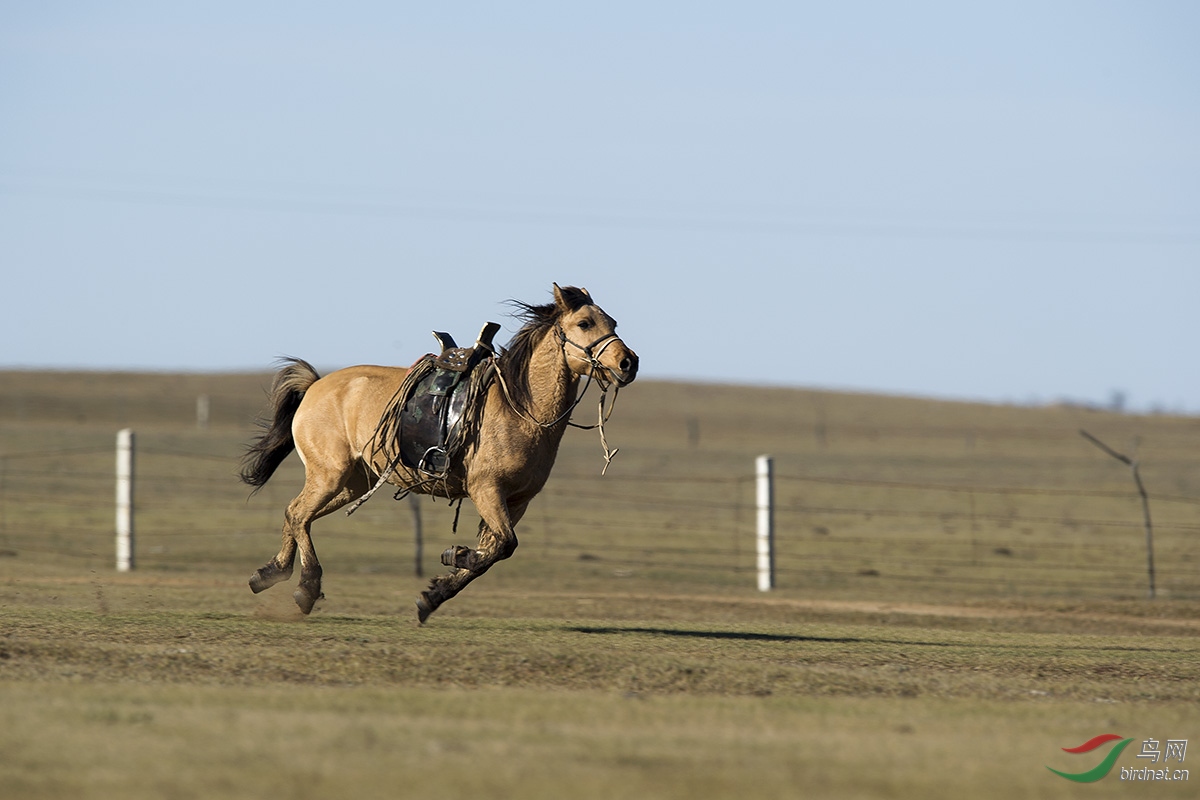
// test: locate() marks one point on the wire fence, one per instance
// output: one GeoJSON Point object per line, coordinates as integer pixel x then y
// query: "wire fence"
{"type": "Point", "coordinates": [848, 533]}
{"type": "Point", "coordinates": [671, 525]}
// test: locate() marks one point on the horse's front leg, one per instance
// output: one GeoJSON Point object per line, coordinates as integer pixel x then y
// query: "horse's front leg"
{"type": "Point", "coordinates": [469, 564]}
{"type": "Point", "coordinates": [497, 541]}
{"type": "Point", "coordinates": [493, 547]}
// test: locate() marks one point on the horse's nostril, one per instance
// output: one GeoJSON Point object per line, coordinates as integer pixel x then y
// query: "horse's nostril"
{"type": "Point", "coordinates": [626, 364]}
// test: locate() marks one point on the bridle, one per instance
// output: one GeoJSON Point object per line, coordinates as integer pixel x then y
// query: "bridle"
{"type": "Point", "coordinates": [591, 352]}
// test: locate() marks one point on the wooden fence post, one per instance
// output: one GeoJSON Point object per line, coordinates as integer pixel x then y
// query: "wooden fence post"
{"type": "Point", "coordinates": [203, 408]}
{"type": "Point", "coordinates": [418, 535]}
{"type": "Point", "coordinates": [125, 560]}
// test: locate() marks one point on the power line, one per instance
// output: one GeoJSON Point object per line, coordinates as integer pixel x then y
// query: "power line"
{"type": "Point", "coordinates": [563, 217]}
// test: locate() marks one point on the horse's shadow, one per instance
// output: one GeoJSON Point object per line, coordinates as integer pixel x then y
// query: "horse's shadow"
{"type": "Point", "coordinates": [750, 636]}
{"type": "Point", "coordinates": [743, 636]}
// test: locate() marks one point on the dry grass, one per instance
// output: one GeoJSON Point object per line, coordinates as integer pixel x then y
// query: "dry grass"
{"type": "Point", "coordinates": [152, 741]}
{"type": "Point", "coordinates": [623, 651]}
{"type": "Point", "coordinates": [191, 688]}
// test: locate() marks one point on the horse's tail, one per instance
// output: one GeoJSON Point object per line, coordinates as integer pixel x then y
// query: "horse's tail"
{"type": "Point", "coordinates": [267, 452]}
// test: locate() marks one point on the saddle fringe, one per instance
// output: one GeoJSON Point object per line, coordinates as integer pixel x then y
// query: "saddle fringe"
{"type": "Point", "coordinates": [385, 442]}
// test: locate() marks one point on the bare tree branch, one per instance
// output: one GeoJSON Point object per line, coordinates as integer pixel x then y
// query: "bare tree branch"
{"type": "Point", "coordinates": [1137, 479]}
{"type": "Point", "coordinates": [1118, 456]}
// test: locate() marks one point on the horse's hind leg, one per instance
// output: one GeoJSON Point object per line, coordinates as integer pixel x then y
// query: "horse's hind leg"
{"type": "Point", "coordinates": [278, 568]}
{"type": "Point", "coordinates": [306, 508]}
{"type": "Point", "coordinates": [322, 494]}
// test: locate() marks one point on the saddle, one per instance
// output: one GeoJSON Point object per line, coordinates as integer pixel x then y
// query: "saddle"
{"type": "Point", "coordinates": [432, 420]}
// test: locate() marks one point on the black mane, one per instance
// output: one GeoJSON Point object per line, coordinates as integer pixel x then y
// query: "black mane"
{"type": "Point", "coordinates": [539, 320]}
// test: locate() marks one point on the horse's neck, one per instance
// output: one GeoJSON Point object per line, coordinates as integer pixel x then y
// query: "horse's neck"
{"type": "Point", "coordinates": [552, 385]}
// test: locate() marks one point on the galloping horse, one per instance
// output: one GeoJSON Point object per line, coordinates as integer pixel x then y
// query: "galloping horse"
{"type": "Point", "coordinates": [333, 424]}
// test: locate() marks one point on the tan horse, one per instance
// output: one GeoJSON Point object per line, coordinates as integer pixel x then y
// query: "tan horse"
{"type": "Point", "coordinates": [332, 421]}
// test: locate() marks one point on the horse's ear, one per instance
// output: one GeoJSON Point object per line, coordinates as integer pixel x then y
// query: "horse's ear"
{"type": "Point", "coordinates": [570, 299]}
{"type": "Point", "coordinates": [560, 299]}
{"type": "Point", "coordinates": [586, 293]}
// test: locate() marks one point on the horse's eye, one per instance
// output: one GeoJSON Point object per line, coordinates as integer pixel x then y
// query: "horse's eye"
{"type": "Point", "coordinates": [585, 324]}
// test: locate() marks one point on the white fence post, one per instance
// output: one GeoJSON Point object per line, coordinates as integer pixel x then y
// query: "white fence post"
{"type": "Point", "coordinates": [124, 500]}
{"type": "Point", "coordinates": [765, 504]}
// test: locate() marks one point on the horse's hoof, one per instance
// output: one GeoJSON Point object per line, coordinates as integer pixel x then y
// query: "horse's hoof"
{"type": "Point", "coordinates": [268, 576]}
{"type": "Point", "coordinates": [305, 600]}
{"type": "Point", "coordinates": [424, 608]}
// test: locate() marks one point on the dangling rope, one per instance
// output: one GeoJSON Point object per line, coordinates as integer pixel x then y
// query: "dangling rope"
{"type": "Point", "coordinates": [602, 415]}
{"type": "Point", "coordinates": [386, 439]}
{"type": "Point", "coordinates": [601, 418]}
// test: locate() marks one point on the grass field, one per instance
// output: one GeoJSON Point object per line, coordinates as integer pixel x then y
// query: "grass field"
{"type": "Point", "coordinates": [930, 636]}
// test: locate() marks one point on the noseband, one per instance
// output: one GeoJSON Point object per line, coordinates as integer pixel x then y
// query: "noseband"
{"type": "Point", "coordinates": [592, 353]}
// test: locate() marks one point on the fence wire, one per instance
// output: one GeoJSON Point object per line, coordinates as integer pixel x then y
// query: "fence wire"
{"type": "Point", "coordinates": [840, 533]}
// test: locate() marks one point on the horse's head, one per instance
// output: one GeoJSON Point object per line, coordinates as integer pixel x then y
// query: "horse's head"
{"type": "Point", "coordinates": [589, 339]}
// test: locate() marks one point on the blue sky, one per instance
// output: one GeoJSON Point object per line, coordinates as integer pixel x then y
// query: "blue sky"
{"type": "Point", "coordinates": [942, 199]}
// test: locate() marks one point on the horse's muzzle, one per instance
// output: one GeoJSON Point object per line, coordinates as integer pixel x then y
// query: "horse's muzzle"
{"type": "Point", "coordinates": [626, 369]}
